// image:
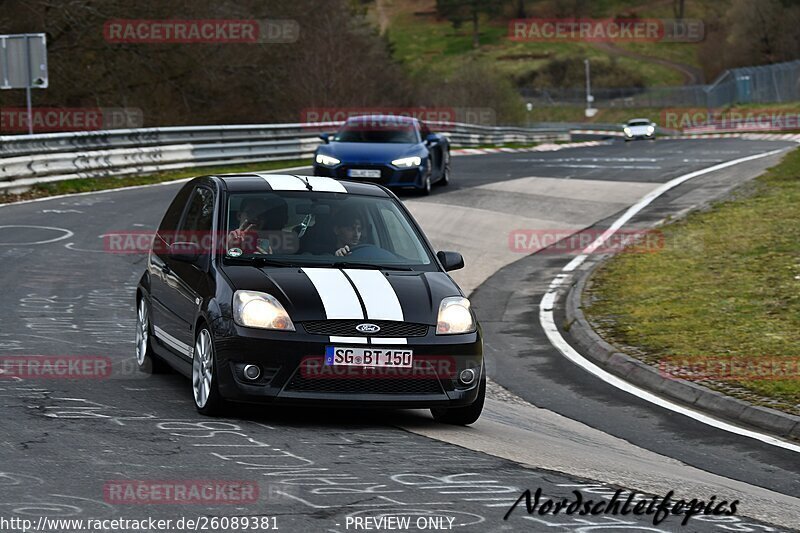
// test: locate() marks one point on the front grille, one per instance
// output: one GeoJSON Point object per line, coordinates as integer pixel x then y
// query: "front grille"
{"type": "Point", "coordinates": [347, 328]}
{"type": "Point", "coordinates": [365, 385]}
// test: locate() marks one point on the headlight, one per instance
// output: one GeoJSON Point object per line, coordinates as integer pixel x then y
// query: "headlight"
{"type": "Point", "coordinates": [627, 131]}
{"type": "Point", "coordinates": [327, 160]}
{"type": "Point", "coordinates": [407, 162]}
{"type": "Point", "coordinates": [650, 130]}
{"type": "Point", "coordinates": [455, 317]}
{"type": "Point", "coordinates": [260, 310]}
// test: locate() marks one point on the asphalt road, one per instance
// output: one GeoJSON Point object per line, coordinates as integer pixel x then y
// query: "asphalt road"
{"type": "Point", "coordinates": [66, 442]}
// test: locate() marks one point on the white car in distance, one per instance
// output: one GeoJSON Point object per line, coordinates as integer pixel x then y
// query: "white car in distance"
{"type": "Point", "coordinates": [639, 128]}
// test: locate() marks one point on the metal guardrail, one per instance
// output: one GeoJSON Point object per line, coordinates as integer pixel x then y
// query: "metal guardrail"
{"type": "Point", "coordinates": [765, 84]}
{"type": "Point", "coordinates": [31, 159]}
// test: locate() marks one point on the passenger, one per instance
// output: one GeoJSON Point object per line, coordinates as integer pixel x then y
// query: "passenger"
{"type": "Point", "coordinates": [259, 219]}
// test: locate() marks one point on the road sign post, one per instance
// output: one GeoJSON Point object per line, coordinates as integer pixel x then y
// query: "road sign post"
{"type": "Point", "coordinates": [23, 65]}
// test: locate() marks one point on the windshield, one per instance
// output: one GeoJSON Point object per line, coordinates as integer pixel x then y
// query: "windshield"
{"type": "Point", "coordinates": [319, 229]}
{"type": "Point", "coordinates": [639, 123]}
{"type": "Point", "coordinates": [378, 131]}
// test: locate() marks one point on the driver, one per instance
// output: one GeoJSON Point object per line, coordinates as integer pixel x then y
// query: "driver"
{"type": "Point", "coordinates": [347, 228]}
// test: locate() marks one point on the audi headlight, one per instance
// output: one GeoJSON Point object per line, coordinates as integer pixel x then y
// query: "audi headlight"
{"type": "Point", "coordinates": [327, 160]}
{"type": "Point", "coordinates": [627, 131]}
{"type": "Point", "coordinates": [260, 310]}
{"type": "Point", "coordinates": [455, 317]}
{"type": "Point", "coordinates": [407, 162]}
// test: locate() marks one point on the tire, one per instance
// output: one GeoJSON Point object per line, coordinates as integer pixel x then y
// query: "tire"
{"type": "Point", "coordinates": [206, 395]}
{"type": "Point", "coordinates": [427, 185]}
{"type": "Point", "coordinates": [445, 179]}
{"type": "Point", "coordinates": [146, 359]}
{"type": "Point", "coordinates": [462, 416]}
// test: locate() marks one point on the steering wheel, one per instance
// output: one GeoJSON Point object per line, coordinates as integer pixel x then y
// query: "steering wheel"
{"type": "Point", "coordinates": [360, 247]}
{"type": "Point", "coordinates": [371, 251]}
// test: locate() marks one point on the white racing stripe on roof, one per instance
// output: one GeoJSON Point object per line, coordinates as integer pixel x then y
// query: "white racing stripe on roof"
{"type": "Point", "coordinates": [283, 182]}
{"type": "Point", "coordinates": [320, 183]}
{"type": "Point", "coordinates": [377, 293]}
{"type": "Point", "coordinates": [338, 296]}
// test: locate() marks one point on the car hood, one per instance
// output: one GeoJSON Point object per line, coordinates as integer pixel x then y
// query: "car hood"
{"type": "Point", "coordinates": [373, 153]}
{"type": "Point", "coordinates": [329, 293]}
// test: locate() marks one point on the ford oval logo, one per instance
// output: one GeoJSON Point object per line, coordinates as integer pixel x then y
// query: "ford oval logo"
{"type": "Point", "coordinates": [368, 328]}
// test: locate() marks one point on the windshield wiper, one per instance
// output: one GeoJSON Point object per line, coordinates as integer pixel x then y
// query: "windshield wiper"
{"type": "Point", "coordinates": [349, 264]}
{"type": "Point", "coordinates": [260, 261]}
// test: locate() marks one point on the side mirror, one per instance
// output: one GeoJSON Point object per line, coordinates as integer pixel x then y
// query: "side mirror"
{"type": "Point", "coordinates": [450, 260]}
{"type": "Point", "coordinates": [432, 138]}
{"type": "Point", "coordinates": [186, 252]}
{"type": "Point", "coordinates": [325, 137]}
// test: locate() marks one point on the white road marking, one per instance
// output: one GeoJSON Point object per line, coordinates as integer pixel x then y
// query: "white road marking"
{"type": "Point", "coordinates": [548, 323]}
{"type": "Point", "coordinates": [66, 235]}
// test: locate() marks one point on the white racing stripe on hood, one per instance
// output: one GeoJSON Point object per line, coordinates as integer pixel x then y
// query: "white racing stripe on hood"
{"type": "Point", "coordinates": [283, 182]}
{"type": "Point", "coordinates": [338, 296]}
{"type": "Point", "coordinates": [377, 293]}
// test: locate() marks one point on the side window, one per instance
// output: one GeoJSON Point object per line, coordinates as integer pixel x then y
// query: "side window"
{"type": "Point", "coordinates": [199, 215]}
{"type": "Point", "coordinates": [169, 224]}
{"type": "Point", "coordinates": [423, 130]}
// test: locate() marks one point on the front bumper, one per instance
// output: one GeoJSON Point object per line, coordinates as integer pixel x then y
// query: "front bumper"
{"type": "Point", "coordinates": [643, 136]}
{"type": "Point", "coordinates": [390, 176]}
{"type": "Point", "coordinates": [293, 371]}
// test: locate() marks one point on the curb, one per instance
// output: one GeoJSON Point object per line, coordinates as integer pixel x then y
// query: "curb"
{"type": "Point", "coordinates": [714, 403]}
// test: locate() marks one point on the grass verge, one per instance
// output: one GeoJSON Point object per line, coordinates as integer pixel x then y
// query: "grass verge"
{"type": "Point", "coordinates": [720, 302]}
{"type": "Point", "coordinates": [100, 184]}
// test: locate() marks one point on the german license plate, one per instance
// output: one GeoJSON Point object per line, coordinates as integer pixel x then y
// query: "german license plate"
{"type": "Point", "coordinates": [363, 173]}
{"type": "Point", "coordinates": [372, 356]}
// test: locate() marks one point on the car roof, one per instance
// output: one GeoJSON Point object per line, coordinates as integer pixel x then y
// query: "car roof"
{"type": "Point", "coordinates": [263, 182]}
{"type": "Point", "coordinates": [639, 120]}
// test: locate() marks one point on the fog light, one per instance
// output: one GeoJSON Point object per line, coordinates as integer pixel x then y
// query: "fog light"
{"type": "Point", "coordinates": [467, 376]}
{"type": "Point", "coordinates": [252, 372]}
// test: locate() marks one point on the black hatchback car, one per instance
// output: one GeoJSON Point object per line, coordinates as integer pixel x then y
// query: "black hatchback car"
{"type": "Point", "coordinates": [297, 290]}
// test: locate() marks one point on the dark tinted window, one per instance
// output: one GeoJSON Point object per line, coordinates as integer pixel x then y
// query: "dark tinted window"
{"type": "Point", "coordinates": [169, 224]}
{"type": "Point", "coordinates": [200, 214]}
{"type": "Point", "coordinates": [424, 131]}
{"type": "Point", "coordinates": [378, 131]}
